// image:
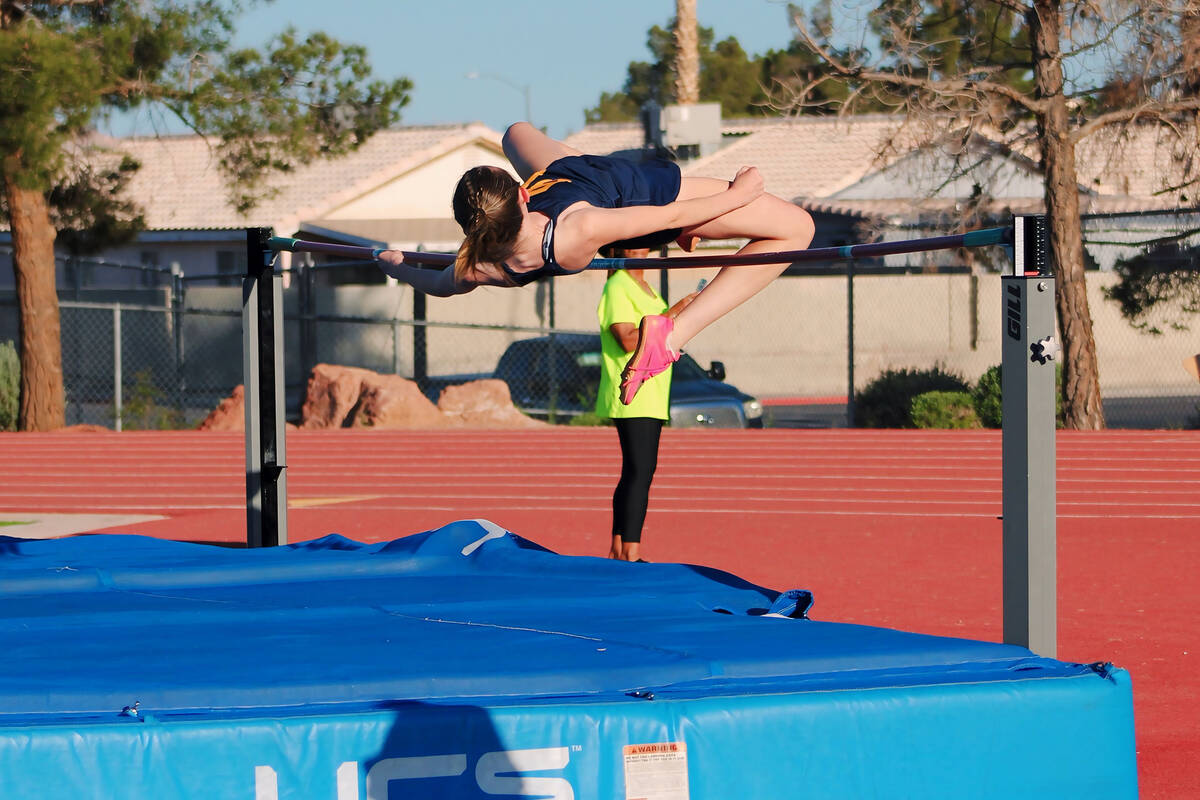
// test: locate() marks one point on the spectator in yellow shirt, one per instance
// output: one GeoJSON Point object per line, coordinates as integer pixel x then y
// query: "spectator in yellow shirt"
{"type": "Point", "coordinates": [626, 299]}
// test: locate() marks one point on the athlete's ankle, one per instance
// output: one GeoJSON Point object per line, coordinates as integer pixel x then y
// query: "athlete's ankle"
{"type": "Point", "coordinates": [671, 346]}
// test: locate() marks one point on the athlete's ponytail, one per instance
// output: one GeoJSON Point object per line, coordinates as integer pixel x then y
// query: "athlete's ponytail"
{"type": "Point", "coordinates": [486, 206]}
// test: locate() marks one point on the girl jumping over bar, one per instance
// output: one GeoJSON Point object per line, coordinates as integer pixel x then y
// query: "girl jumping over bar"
{"type": "Point", "coordinates": [570, 205]}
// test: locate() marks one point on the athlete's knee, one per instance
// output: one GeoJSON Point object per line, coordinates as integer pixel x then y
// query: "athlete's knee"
{"type": "Point", "coordinates": [796, 227]}
{"type": "Point", "coordinates": [641, 476]}
{"type": "Point", "coordinates": [806, 228]}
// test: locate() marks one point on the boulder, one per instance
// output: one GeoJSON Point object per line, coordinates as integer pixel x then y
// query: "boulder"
{"type": "Point", "coordinates": [332, 394]}
{"type": "Point", "coordinates": [390, 401]}
{"type": "Point", "coordinates": [483, 404]}
{"type": "Point", "coordinates": [352, 397]}
{"type": "Point", "coordinates": [229, 415]}
{"type": "Point", "coordinates": [84, 427]}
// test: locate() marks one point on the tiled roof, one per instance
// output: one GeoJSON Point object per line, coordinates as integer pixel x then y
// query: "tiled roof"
{"type": "Point", "coordinates": [1142, 163]}
{"type": "Point", "coordinates": [605, 138]}
{"type": "Point", "coordinates": [804, 157]}
{"type": "Point", "coordinates": [180, 185]}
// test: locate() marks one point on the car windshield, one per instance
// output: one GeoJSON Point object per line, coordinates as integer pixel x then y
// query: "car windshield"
{"type": "Point", "coordinates": [686, 369]}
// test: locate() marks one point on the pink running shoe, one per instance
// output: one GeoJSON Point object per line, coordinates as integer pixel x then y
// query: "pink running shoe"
{"type": "Point", "coordinates": [650, 357]}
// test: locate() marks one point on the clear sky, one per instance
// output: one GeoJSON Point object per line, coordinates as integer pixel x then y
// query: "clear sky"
{"type": "Point", "coordinates": [565, 52]}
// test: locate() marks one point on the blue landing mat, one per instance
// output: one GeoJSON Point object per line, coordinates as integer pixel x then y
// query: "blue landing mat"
{"type": "Point", "coordinates": [469, 662]}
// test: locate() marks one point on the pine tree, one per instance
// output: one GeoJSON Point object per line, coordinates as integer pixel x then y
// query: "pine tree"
{"type": "Point", "coordinates": [64, 64]}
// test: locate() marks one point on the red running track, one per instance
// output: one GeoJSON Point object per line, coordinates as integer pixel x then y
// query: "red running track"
{"type": "Point", "coordinates": [893, 528]}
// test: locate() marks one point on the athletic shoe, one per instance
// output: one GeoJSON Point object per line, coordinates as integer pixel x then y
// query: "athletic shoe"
{"type": "Point", "coordinates": [651, 357]}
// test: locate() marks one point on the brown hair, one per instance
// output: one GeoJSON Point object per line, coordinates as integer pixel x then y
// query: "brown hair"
{"type": "Point", "coordinates": [486, 205]}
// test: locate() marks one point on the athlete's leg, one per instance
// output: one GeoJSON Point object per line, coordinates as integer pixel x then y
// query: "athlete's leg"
{"type": "Point", "coordinates": [631, 551]}
{"type": "Point", "coordinates": [617, 547]}
{"type": "Point", "coordinates": [771, 224]}
{"type": "Point", "coordinates": [639, 458]}
{"type": "Point", "coordinates": [529, 150]}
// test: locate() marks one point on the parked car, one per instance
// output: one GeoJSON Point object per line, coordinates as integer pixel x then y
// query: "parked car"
{"type": "Point", "coordinates": [558, 376]}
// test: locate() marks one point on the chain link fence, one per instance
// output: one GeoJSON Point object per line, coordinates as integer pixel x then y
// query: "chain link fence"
{"type": "Point", "coordinates": [165, 349]}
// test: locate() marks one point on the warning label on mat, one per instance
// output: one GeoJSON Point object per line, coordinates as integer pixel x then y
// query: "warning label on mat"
{"type": "Point", "coordinates": [656, 771]}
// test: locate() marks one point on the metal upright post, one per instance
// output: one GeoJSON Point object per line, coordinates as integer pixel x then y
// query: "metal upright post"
{"type": "Point", "coordinates": [262, 364]}
{"type": "Point", "coordinates": [307, 302]}
{"type": "Point", "coordinates": [664, 277]}
{"type": "Point", "coordinates": [1029, 352]}
{"type": "Point", "coordinates": [420, 348]}
{"type": "Point", "coordinates": [850, 411]}
{"type": "Point", "coordinates": [552, 363]}
{"type": "Point", "coordinates": [177, 306]}
{"type": "Point", "coordinates": [118, 378]}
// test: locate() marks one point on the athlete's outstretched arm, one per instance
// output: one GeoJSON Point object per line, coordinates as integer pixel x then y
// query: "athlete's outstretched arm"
{"type": "Point", "coordinates": [438, 282]}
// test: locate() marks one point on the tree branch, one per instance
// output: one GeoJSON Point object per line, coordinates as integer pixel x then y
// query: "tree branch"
{"type": "Point", "coordinates": [1015, 6]}
{"type": "Point", "coordinates": [1155, 111]}
{"type": "Point", "coordinates": [936, 87]}
{"type": "Point", "coordinates": [1101, 41]}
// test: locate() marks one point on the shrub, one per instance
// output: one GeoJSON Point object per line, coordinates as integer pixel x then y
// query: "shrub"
{"type": "Point", "coordinates": [142, 410]}
{"type": "Point", "coordinates": [10, 386]}
{"type": "Point", "coordinates": [987, 397]}
{"type": "Point", "coordinates": [886, 401]}
{"type": "Point", "coordinates": [944, 410]}
{"type": "Point", "coordinates": [589, 418]}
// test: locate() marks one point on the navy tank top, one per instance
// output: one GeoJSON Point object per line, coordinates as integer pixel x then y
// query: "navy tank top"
{"type": "Point", "coordinates": [604, 182]}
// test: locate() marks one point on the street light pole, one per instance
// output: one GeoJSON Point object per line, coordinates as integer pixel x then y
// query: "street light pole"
{"type": "Point", "coordinates": [523, 88]}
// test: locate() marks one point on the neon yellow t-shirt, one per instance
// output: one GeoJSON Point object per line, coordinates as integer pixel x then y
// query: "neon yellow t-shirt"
{"type": "Point", "coordinates": [624, 300]}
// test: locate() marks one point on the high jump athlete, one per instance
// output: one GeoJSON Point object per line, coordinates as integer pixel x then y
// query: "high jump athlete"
{"type": "Point", "coordinates": [570, 205]}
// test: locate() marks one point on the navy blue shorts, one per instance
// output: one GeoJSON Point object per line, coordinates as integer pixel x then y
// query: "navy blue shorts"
{"type": "Point", "coordinates": [661, 179]}
{"type": "Point", "coordinates": [607, 182]}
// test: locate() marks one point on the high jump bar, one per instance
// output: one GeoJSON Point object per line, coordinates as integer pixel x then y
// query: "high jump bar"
{"type": "Point", "coordinates": [977, 238]}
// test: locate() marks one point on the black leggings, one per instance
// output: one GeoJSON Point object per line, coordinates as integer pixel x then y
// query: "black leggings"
{"type": "Point", "coordinates": [639, 458]}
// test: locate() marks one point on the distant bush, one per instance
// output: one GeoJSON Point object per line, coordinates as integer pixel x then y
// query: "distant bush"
{"type": "Point", "coordinates": [944, 410]}
{"type": "Point", "coordinates": [589, 418]}
{"type": "Point", "coordinates": [10, 386]}
{"type": "Point", "coordinates": [886, 402]}
{"type": "Point", "coordinates": [987, 397]}
{"type": "Point", "coordinates": [142, 409]}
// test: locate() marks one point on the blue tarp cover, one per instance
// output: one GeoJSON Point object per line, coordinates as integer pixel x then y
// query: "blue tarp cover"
{"type": "Point", "coordinates": [470, 663]}
{"type": "Point", "coordinates": [91, 624]}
